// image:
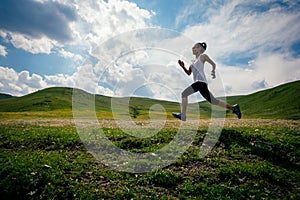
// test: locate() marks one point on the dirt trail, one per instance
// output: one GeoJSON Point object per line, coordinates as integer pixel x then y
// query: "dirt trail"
{"type": "Point", "coordinates": [172, 123]}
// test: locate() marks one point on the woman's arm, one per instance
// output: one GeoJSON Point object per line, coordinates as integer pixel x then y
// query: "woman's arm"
{"type": "Point", "coordinates": [213, 64]}
{"type": "Point", "coordinates": [187, 71]}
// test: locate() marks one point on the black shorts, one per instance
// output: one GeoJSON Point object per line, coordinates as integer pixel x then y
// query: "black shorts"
{"type": "Point", "coordinates": [203, 89]}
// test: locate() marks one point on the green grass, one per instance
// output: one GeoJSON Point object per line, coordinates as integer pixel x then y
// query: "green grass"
{"type": "Point", "coordinates": [256, 160]}
{"type": "Point", "coordinates": [43, 100]}
{"type": "Point", "coordinates": [5, 96]}
{"type": "Point", "coordinates": [44, 158]}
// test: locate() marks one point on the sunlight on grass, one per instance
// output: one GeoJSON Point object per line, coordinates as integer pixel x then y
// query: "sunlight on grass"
{"type": "Point", "coordinates": [253, 159]}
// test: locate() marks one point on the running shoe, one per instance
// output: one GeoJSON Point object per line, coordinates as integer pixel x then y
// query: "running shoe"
{"type": "Point", "coordinates": [179, 116]}
{"type": "Point", "coordinates": [236, 110]}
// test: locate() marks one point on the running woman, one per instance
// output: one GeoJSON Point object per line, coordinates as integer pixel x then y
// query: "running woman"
{"type": "Point", "coordinates": [200, 82]}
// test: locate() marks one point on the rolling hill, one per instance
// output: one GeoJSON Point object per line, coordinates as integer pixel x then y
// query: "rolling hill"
{"type": "Point", "coordinates": [5, 96]}
{"type": "Point", "coordinates": [280, 102]}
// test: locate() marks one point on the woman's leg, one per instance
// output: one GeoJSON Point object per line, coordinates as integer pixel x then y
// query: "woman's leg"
{"type": "Point", "coordinates": [184, 102]}
{"type": "Point", "coordinates": [203, 89]}
{"type": "Point", "coordinates": [225, 105]}
{"type": "Point", "coordinates": [209, 97]}
{"type": "Point", "coordinates": [184, 99]}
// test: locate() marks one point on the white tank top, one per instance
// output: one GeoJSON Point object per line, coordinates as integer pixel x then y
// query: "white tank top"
{"type": "Point", "coordinates": [198, 70]}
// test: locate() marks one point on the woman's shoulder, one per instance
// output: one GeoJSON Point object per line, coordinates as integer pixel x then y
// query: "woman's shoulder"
{"type": "Point", "coordinates": [203, 57]}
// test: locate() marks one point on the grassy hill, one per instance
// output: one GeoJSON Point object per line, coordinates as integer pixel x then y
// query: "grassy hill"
{"type": "Point", "coordinates": [59, 99]}
{"type": "Point", "coordinates": [279, 102]}
{"type": "Point", "coordinates": [5, 96]}
{"type": "Point", "coordinates": [44, 100]}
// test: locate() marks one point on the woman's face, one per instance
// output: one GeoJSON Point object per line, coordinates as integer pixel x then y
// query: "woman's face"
{"type": "Point", "coordinates": [196, 49]}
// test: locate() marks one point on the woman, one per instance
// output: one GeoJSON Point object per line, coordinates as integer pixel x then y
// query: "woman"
{"type": "Point", "coordinates": [200, 82]}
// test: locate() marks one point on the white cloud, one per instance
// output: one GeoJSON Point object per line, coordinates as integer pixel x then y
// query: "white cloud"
{"type": "Point", "coordinates": [95, 22]}
{"type": "Point", "coordinates": [144, 62]}
{"type": "Point", "coordinates": [34, 46]}
{"type": "Point", "coordinates": [100, 20]}
{"type": "Point", "coordinates": [19, 83]}
{"type": "Point", "coordinates": [231, 30]}
{"type": "Point", "coordinates": [67, 54]}
{"type": "Point", "coordinates": [276, 69]}
{"type": "Point", "coordinates": [3, 51]}
{"type": "Point", "coordinates": [85, 78]}
{"type": "Point", "coordinates": [3, 34]}
{"type": "Point", "coordinates": [7, 73]}
{"type": "Point", "coordinates": [268, 70]}
{"type": "Point", "coordinates": [33, 81]}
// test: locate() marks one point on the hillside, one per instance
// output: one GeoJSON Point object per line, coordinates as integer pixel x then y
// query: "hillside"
{"type": "Point", "coordinates": [44, 100]}
{"type": "Point", "coordinates": [60, 99]}
{"type": "Point", "coordinates": [278, 102]}
{"type": "Point", "coordinates": [5, 96]}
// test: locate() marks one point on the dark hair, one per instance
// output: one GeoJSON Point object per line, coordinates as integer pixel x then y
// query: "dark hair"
{"type": "Point", "coordinates": [202, 44]}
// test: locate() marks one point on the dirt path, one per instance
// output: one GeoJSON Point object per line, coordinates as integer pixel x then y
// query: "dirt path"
{"type": "Point", "coordinates": [203, 123]}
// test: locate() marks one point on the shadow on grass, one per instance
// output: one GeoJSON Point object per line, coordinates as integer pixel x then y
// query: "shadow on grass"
{"type": "Point", "coordinates": [277, 152]}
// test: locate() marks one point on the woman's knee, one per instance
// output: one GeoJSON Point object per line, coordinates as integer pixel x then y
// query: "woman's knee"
{"type": "Point", "coordinates": [184, 94]}
{"type": "Point", "coordinates": [187, 92]}
{"type": "Point", "coordinates": [210, 98]}
{"type": "Point", "coordinates": [215, 101]}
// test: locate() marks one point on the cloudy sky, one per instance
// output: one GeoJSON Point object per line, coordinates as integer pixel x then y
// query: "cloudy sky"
{"type": "Point", "coordinates": [125, 48]}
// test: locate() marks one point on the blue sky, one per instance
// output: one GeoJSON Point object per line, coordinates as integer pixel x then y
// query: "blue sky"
{"type": "Point", "coordinates": [256, 45]}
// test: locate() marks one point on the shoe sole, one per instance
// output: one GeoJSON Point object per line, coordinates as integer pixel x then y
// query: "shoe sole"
{"type": "Point", "coordinates": [177, 116]}
{"type": "Point", "coordinates": [238, 113]}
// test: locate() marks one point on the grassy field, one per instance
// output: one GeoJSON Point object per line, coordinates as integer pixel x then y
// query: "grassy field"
{"type": "Point", "coordinates": [253, 159]}
{"type": "Point", "coordinates": [43, 157]}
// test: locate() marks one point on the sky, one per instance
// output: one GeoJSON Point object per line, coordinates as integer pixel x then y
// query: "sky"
{"type": "Point", "coordinates": [131, 48]}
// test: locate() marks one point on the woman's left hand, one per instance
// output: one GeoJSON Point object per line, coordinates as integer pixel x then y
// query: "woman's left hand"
{"type": "Point", "coordinates": [213, 74]}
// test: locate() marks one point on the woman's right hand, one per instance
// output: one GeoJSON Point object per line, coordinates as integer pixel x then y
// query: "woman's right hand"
{"type": "Point", "coordinates": [181, 63]}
